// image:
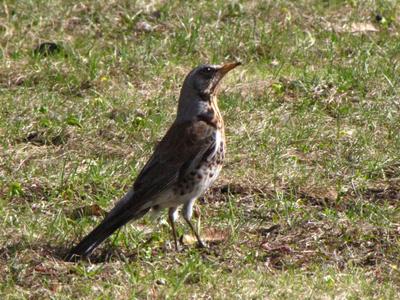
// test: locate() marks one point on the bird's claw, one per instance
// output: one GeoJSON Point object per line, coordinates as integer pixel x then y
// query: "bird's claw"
{"type": "Point", "coordinates": [202, 245]}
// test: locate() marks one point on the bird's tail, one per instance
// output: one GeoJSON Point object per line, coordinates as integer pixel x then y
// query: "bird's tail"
{"type": "Point", "coordinates": [122, 213]}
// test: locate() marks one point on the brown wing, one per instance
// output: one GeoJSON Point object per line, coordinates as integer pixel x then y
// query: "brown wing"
{"type": "Point", "coordinates": [183, 146]}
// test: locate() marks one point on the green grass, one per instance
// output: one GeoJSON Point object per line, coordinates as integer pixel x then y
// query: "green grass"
{"type": "Point", "coordinates": [307, 204]}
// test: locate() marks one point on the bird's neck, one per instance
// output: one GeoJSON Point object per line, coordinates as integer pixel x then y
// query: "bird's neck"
{"type": "Point", "coordinates": [204, 110]}
{"type": "Point", "coordinates": [211, 114]}
{"type": "Point", "coordinates": [218, 120]}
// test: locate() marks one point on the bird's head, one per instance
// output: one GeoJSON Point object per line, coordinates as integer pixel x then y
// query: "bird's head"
{"type": "Point", "coordinates": [199, 87]}
{"type": "Point", "coordinates": [205, 79]}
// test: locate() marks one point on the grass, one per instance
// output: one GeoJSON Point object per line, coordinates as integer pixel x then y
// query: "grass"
{"type": "Point", "coordinates": [307, 204]}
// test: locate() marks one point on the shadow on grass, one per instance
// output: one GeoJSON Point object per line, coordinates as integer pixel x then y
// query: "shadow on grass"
{"type": "Point", "coordinates": [40, 251]}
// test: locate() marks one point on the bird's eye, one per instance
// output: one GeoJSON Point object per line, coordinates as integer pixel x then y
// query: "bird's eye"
{"type": "Point", "coordinates": [208, 71]}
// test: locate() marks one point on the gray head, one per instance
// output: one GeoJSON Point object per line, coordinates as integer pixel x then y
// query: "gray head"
{"type": "Point", "coordinates": [199, 87]}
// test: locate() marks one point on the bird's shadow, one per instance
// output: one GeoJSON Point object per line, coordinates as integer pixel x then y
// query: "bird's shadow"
{"type": "Point", "coordinates": [108, 253]}
{"type": "Point", "coordinates": [59, 252]}
{"type": "Point", "coordinates": [103, 255]}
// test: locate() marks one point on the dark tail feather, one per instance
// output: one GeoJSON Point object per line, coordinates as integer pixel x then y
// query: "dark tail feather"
{"type": "Point", "coordinates": [121, 214]}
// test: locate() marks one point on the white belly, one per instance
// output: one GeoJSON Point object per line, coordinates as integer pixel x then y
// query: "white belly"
{"type": "Point", "coordinates": [185, 191]}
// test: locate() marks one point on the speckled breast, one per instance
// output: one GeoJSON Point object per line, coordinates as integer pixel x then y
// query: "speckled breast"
{"type": "Point", "coordinates": [205, 173]}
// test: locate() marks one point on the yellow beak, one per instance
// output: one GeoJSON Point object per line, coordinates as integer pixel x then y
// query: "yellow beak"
{"type": "Point", "coordinates": [227, 67]}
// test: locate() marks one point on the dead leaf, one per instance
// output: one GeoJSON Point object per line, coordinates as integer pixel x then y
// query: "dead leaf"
{"type": "Point", "coordinates": [276, 248]}
{"type": "Point", "coordinates": [362, 27]}
{"type": "Point", "coordinates": [356, 27]}
{"type": "Point", "coordinates": [319, 195]}
{"type": "Point", "coordinates": [42, 269]}
{"type": "Point", "coordinates": [189, 239]}
{"type": "Point", "coordinates": [87, 211]}
{"type": "Point", "coordinates": [144, 27]}
{"type": "Point", "coordinates": [208, 235]}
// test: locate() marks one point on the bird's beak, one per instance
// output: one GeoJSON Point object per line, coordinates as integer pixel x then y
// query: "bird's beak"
{"type": "Point", "coordinates": [220, 74]}
{"type": "Point", "coordinates": [227, 67]}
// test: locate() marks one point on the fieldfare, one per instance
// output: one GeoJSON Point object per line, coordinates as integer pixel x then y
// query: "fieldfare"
{"type": "Point", "coordinates": [184, 164]}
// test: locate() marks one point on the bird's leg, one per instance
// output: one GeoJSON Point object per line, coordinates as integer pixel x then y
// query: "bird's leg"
{"type": "Point", "coordinates": [187, 214]}
{"type": "Point", "coordinates": [172, 217]}
{"type": "Point", "coordinates": [199, 241]}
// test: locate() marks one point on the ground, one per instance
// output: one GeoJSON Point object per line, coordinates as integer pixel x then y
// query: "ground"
{"type": "Point", "coordinates": [307, 205]}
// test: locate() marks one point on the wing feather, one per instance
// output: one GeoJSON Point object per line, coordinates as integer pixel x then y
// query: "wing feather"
{"type": "Point", "coordinates": [181, 148]}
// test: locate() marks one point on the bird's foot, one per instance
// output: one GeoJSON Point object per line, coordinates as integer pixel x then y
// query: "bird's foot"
{"type": "Point", "coordinates": [201, 244]}
{"type": "Point", "coordinates": [172, 246]}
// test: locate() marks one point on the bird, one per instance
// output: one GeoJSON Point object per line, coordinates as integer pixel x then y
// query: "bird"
{"type": "Point", "coordinates": [184, 164]}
